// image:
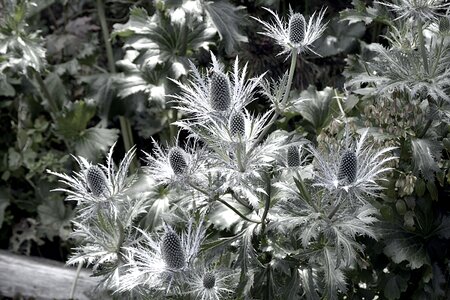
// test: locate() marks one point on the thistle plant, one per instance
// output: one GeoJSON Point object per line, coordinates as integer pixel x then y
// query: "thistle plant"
{"type": "Point", "coordinates": [251, 210]}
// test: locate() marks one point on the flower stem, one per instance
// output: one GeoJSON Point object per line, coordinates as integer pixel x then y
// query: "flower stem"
{"type": "Point", "coordinates": [223, 202]}
{"type": "Point", "coordinates": [283, 102]}
{"type": "Point", "coordinates": [425, 129]}
{"type": "Point", "coordinates": [237, 212]}
{"type": "Point", "coordinates": [125, 126]}
{"type": "Point", "coordinates": [267, 203]}
{"type": "Point", "coordinates": [334, 211]}
{"type": "Point", "coordinates": [74, 284]}
{"type": "Point", "coordinates": [52, 103]}
{"type": "Point", "coordinates": [422, 46]}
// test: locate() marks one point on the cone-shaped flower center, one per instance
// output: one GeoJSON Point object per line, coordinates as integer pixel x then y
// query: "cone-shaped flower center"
{"type": "Point", "coordinates": [237, 124]}
{"type": "Point", "coordinates": [177, 160]}
{"type": "Point", "coordinates": [172, 251]}
{"type": "Point", "coordinates": [220, 92]}
{"type": "Point", "coordinates": [293, 156]}
{"type": "Point", "coordinates": [348, 166]}
{"type": "Point", "coordinates": [209, 280]}
{"type": "Point", "coordinates": [444, 24]}
{"type": "Point", "coordinates": [96, 180]}
{"type": "Point", "coordinates": [296, 28]}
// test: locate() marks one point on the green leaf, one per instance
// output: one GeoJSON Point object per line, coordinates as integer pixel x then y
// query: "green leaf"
{"type": "Point", "coordinates": [226, 19]}
{"type": "Point", "coordinates": [95, 140]}
{"type": "Point", "coordinates": [340, 37]}
{"type": "Point", "coordinates": [409, 247]}
{"type": "Point", "coordinates": [316, 106]}
{"type": "Point", "coordinates": [426, 153]}
{"type": "Point", "coordinates": [55, 218]}
{"type": "Point", "coordinates": [395, 285]}
{"type": "Point", "coordinates": [74, 120]}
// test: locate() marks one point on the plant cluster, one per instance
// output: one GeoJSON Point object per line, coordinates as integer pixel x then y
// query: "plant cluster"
{"type": "Point", "coordinates": [252, 186]}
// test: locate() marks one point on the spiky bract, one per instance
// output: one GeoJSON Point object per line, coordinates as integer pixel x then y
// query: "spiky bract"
{"type": "Point", "coordinates": [425, 10]}
{"type": "Point", "coordinates": [215, 96]}
{"type": "Point", "coordinates": [94, 185]}
{"type": "Point", "coordinates": [352, 171]}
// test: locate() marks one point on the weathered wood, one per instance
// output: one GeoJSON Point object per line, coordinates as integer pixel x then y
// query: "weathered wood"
{"type": "Point", "coordinates": [43, 279]}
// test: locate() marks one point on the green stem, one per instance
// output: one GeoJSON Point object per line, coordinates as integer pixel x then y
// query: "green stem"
{"type": "Point", "coordinates": [52, 103]}
{"type": "Point", "coordinates": [422, 46]}
{"type": "Point", "coordinates": [105, 31]}
{"type": "Point", "coordinates": [334, 211]}
{"type": "Point", "coordinates": [267, 203]}
{"type": "Point", "coordinates": [74, 284]}
{"type": "Point", "coordinates": [237, 212]}
{"type": "Point", "coordinates": [425, 129]}
{"type": "Point", "coordinates": [125, 126]}
{"type": "Point", "coordinates": [283, 102]}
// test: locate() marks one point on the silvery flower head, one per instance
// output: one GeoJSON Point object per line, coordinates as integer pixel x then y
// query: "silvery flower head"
{"type": "Point", "coordinates": [424, 10]}
{"type": "Point", "coordinates": [217, 94]}
{"type": "Point", "coordinates": [162, 262]}
{"type": "Point", "coordinates": [173, 165]}
{"type": "Point", "coordinates": [212, 283]}
{"type": "Point", "coordinates": [351, 171]}
{"type": "Point", "coordinates": [97, 186]}
{"type": "Point", "coordinates": [295, 34]}
{"type": "Point", "coordinates": [236, 153]}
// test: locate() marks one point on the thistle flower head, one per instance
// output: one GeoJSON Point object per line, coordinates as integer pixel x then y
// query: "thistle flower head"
{"type": "Point", "coordinates": [94, 185]}
{"type": "Point", "coordinates": [215, 96]}
{"type": "Point", "coordinates": [177, 160]}
{"type": "Point", "coordinates": [209, 280]}
{"type": "Point", "coordinates": [96, 180]}
{"type": "Point", "coordinates": [162, 262]}
{"type": "Point", "coordinates": [351, 171]}
{"type": "Point", "coordinates": [173, 165]}
{"type": "Point", "coordinates": [296, 34]}
{"type": "Point", "coordinates": [293, 156]}
{"type": "Point", "coordinates": [237, 124]}
{"type": "Point", "coordinates": [220, 91]}
{"type": "Point", "coordinates": [212, 284]}
{"type": "Point", "coordinates": [172, 250]}
{"type": "Point", "coordinates": [296, 28]}
{"type": "Point", "coordinates": [425, 10]}
{"type": "Point", "coordinates": [348, 166]}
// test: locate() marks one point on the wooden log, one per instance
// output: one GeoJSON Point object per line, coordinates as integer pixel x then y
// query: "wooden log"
{"type": "Point", "coordinates": [44, 279]}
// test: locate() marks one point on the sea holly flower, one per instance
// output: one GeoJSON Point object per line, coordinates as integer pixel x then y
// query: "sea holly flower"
{"type": "Point", "coordinates": [212, 283]}
{"type": "Point", "coordinates": [351, 171]}
{"type": "Point", "coordinates": [97, 186]}
{"type": "Point", "coordinates": [217, 95]}
{"type": "Point", "coordinates": [424, 10]}
{"type": "Point", "coordinates": [162, 262]}
{"type": "Point", "coordinates": [296, 34]}
{"type": "Point", "coordinates": [173, 165]}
